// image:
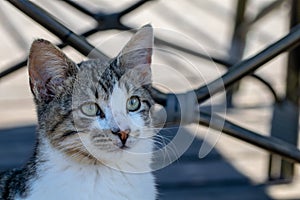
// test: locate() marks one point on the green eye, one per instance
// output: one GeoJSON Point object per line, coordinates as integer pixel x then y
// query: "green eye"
{"type": "Point", "coordinates": [90, 109]}
{"type": "Point", "coordinates": [133, 104]}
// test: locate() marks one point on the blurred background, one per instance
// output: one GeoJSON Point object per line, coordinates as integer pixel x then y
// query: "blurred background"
{"type": "Point", "coordinates": [233, 169]}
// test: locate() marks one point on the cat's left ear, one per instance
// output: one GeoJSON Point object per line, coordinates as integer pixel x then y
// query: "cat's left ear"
{"type": "Point", "coordinates": [138, 51]}
{"type": "Point", "coordinates": [49, 69]}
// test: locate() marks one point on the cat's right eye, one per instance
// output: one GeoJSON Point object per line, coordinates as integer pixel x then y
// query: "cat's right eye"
{"type": "Point", "coordinates": [91, 109]}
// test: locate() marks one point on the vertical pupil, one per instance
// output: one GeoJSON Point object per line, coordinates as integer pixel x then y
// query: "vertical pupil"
{"type": "Point", "coordinates": [133, 101]}
{"type": "Point", "coordinates": [91, 107]}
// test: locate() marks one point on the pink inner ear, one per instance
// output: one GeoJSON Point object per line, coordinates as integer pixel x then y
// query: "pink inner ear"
{"type": "Point", "coordinates": [134, 58]}
{"type": "Point", "coordinates": [149, 56]}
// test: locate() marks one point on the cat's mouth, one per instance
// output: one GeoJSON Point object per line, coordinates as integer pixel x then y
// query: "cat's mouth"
{"type": "Point", "coordinates": [125, 146]}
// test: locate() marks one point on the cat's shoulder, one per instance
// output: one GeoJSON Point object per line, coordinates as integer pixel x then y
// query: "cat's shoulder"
{"type": "Point", "coordinates": [14, 183]}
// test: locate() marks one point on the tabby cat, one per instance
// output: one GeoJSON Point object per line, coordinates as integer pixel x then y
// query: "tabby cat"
{"type": "Point", "coordinates": [94, 136]}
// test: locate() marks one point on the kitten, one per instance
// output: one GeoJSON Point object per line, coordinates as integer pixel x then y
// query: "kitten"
{"type": "Point", "coordinates": [94, 126]}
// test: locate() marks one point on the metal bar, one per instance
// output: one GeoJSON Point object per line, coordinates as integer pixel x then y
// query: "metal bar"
{"type": "Point", "coordinates": [285, 121]}
{"type": "Point", "coordinates": [106, 21]}
{"type": "Point", "coordinates": [80, 8]}
{"type": "Point", "coordinates": [110, 20]}
{"type": "Point", "coordinates": [265, 11]}
{"type": "Point", "coordinates": [24, 62]}
{"type": "Point", "coordinates": [293, 81]}
{"type": "Point", "coordinates": [270, 144]}
{"type": "Point", "coordinates": [158, 96]}
{"type": "Point", "coordinates": [13, 69]}
{"type": "Point", "coordinates": [65, 34]}
{"type": "Point", "coordinates": [249, 65]}
{"type": "Point", "coordinates": [220, 61]}
{"type": "Point", "coordinates": [238, 43]}
{"type": "Point", "coordinates": [133, 7]}
{"type": "Point", "coordinates": [268, 85]}
{"type": "Point", "coordinates": [239, 35]}
{"type": "Point", "coordinates": [94, 15]}
{"type": "Point", "coordinates": [77, 6]}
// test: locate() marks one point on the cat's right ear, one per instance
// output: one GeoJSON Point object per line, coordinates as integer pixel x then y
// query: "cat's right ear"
{"type": "Point", "coordinates": [138, 51]}
{"type": "Point", "coordinates": [49, 69]}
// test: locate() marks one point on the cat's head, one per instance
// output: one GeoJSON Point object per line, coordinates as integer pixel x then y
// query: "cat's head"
{"type": "Point", "coordinates": [98, 110]}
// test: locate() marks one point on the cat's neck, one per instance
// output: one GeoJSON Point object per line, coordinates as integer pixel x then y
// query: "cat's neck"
{"type": "Point", "coordinates": [58, 176]}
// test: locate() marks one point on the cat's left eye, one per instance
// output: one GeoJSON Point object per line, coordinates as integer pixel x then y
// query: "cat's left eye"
{"type": "Point", "coordinates": [133, 104]}
{"type": "Point", "coordinates": [90, 109]}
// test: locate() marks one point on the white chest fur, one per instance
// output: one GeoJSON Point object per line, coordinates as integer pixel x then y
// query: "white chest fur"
{"type": "Point", "coordinates": [64, 180]}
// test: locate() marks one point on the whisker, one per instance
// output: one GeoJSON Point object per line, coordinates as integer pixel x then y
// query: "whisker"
{"type": "Point", "coordinates": [168, 149]}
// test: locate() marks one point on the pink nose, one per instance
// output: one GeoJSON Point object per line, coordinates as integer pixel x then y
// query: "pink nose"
{"type": "Point", "coordinates": [123, 135]}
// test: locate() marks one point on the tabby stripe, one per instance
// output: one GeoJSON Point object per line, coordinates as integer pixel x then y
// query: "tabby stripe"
{"type": "Point", "coordinates": [142, 111]}
{"type": "Point", "coordinates": [96, 94]}
{"type": "Point", "coordinates": [117, 75]}
{"type": "Point", "coordinates": [113, 69]}
{"type": "Point", "coordinates": [96, 80]}
{"type": "Point", "coordinates": [64, 117]}
{"type": "Point", "coordinates": [103, 86]}
{"type": "Point", "coordinates": [80, 152]}
{"type": "Point", "coordinates": [69, 133]}
{"type": "Point", "coordinates": [108, 81]}
{"type": "Point", "coordinates": [147, 102]}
